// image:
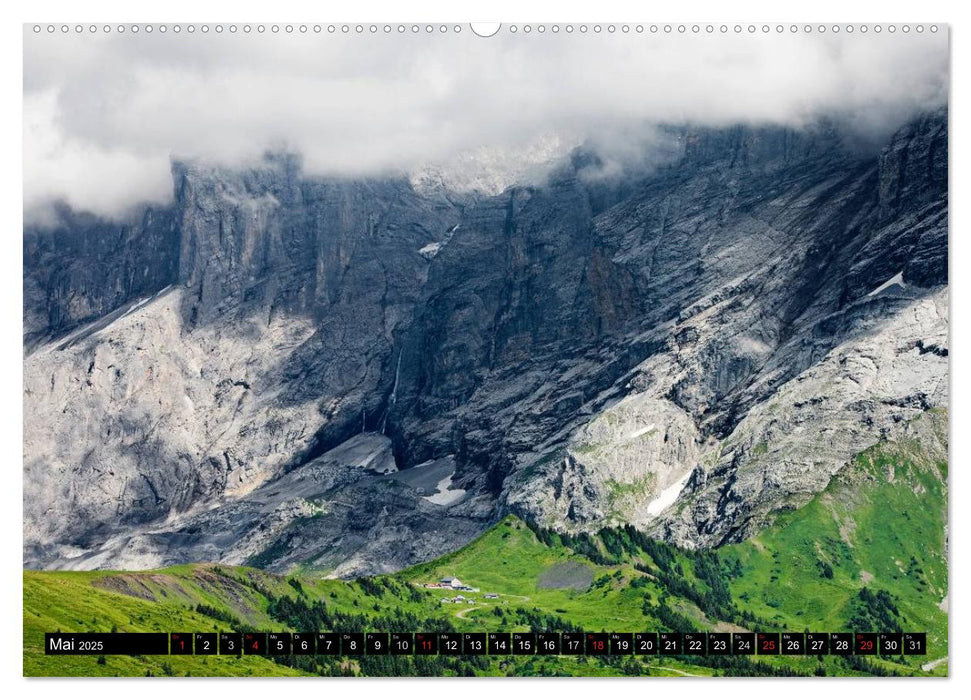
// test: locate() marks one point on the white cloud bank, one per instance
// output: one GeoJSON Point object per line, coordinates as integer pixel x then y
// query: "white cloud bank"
{"type": "Point", "coordinates": [105, 114]}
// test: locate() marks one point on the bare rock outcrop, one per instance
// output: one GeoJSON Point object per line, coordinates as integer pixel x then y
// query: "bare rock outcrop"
{"type": "Point", "coordinates": [687, 349]}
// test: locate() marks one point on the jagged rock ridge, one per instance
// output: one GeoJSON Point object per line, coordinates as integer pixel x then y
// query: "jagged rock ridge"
{"type": "Point", "coordinates": [688, 350]}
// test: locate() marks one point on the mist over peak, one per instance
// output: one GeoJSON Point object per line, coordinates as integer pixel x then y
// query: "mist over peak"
{"type": "Point", "coordinates": [104, 117]}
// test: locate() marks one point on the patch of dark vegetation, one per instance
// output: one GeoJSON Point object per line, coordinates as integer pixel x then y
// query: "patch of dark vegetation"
{"type": "Point", "coordinates": [301, 614]}
{"type": "Point", "coordinates": [874, 611]}
{"type": "Point", "coordinates": [221, 615]}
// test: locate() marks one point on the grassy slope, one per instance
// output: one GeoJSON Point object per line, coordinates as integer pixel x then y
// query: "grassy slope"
{"type": "Point", "coordinates": [510, 560]}
{"type": "Point", "coordinates": [91, 601]}
{"type": "Point", "coordinates": [881, 524]}
{"type": "Point", "coordinates": [77, 601]}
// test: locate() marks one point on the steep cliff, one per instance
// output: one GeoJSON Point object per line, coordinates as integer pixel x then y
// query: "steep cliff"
{"type": "Point", "coordinates": [688, 349]}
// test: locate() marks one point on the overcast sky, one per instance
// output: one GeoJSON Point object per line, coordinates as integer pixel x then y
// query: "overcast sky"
{"type": "Point", "coordinates": [105, 114]}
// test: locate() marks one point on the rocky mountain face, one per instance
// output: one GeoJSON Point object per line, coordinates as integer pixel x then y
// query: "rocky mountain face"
{"type": "Point", "coordinates": [279, 369]}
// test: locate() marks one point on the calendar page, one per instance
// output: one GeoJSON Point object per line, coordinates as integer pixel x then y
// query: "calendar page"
{"type": "Point", "coordinates": [545, 349]}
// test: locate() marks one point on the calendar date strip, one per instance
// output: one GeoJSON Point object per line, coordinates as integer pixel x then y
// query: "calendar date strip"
{"type": "Point", "coordinates": [350, 644]}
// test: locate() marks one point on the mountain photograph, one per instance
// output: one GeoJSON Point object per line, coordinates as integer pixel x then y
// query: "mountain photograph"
{"type": "Point", "coordinates": [555, 331]}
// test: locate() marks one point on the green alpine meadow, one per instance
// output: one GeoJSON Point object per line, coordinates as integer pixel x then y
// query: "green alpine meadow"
{"type": "Point", "coordinates": [866, 554]}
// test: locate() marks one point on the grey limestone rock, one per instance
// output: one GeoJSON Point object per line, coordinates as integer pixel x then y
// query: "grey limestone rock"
{"type": "Point", "coordinates": [687, 349]}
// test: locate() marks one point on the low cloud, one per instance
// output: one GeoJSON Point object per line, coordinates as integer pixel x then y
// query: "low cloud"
{"type": "Point", "coordinates": [105, 114]}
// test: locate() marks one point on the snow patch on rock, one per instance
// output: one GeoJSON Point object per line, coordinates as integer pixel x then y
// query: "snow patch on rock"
{"type": "Point", "coordinates": [446, 495]}
{"type": "Point", "coordinates": [668, 496]}
{"type": "Point", "coordinates": [897, 280]}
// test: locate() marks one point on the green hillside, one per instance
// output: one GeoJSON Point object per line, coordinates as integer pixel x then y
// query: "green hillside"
{"type": "Point", "coordinates": [868, 553]}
